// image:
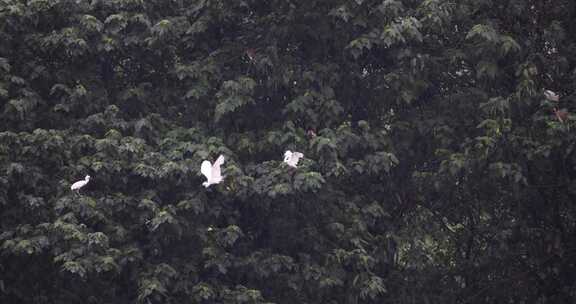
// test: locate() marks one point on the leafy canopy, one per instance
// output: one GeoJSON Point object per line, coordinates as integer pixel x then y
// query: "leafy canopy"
{"type": "Point", "coordinates": [435, 171]}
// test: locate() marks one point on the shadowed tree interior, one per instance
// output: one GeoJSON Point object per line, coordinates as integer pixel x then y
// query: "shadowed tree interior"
{"type": "Point", "coordinates": [435, 170]}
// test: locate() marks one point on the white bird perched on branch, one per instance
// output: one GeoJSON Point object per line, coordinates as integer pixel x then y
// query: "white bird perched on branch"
{"type": "Point", "coordinates": [551, 96]}
{"type": "Point", "coordinates": [212, 171]}
{"type": "Point", "coordinates": [79, 184]}
{"type": "Point", "coordinates": [292, 158]}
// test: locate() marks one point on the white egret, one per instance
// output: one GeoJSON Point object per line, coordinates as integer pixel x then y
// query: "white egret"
{"type": "Point", "coordinates": [79, 184]}
{"type": "Point", "coordinates": [551, 96]}
{"type": "Point", "coordinates": [212, 171]}
{"type": "Point", "coordinates": [292, 158]}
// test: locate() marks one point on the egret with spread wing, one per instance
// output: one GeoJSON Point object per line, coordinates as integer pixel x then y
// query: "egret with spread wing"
{"type": "Point", "coordinates": [212, 171]}
{"type": "Point", "coordinates": [292, 158]}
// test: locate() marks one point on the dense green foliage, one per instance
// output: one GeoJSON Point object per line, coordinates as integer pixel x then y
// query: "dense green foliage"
{"type": "Point", "coordinates": [434, 172]}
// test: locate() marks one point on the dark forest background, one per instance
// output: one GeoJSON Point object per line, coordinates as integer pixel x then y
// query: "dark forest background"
{"type": "Point", "coordinates": [435, 170]}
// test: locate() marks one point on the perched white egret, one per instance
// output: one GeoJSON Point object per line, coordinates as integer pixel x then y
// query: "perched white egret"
{"type": "Point", "coordinates": [212, 171]}
{"type": "Point", "coordinates": [292, 158]}
{"type": "Point", "coordinates": [551, 96]}
{"type": "Point", "coordinates": [79, 184]}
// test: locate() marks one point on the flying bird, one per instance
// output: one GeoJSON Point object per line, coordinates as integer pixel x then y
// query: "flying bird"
{"type": "Point", "coordinates": [79, 184]}
{"type": "Point", "coordinates": [551, 96]}
{"type": "Point", "coordinates": [292, 158]}
{"type": "Point", "coordinates": [212, 171]}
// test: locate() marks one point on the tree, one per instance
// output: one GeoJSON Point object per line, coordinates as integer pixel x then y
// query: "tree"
{"type": "Point", "coordinates": [434, 171]}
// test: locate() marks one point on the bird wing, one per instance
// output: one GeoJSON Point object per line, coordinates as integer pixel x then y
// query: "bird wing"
{"type": "Point", "coordinates": [216, 172]}
{"type": "Point", "coordinates": [295, 158]}
{"type": "Point", "coordinates": [206, 169]}
{"type": "Point", "coordinates": [287, 156]}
